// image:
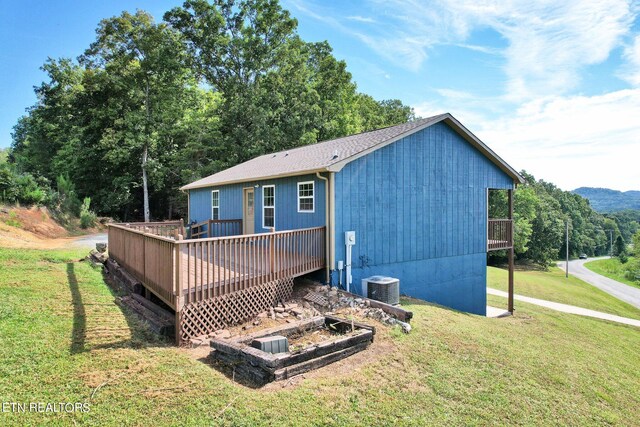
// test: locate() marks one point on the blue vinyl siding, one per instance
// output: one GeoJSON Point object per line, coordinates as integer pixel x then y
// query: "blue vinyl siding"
{"type": "Point", "coordinates": [286, 189]}
{"type": "Point", "coordinates": [418, 207]}
{"type": "Point", "coordinates": [230, 202]}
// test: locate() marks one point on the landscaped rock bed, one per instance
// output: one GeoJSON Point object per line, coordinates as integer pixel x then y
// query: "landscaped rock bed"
{"type": "Point", "coordinates": [333, 301]}
{"type": "Point", "coordinates": [314, 342]}
{"type": "Point", "coordinates": [311, 299]}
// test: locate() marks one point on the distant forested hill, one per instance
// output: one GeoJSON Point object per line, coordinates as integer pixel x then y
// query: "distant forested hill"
{"type": "Point", "coordinates": [606, 200]}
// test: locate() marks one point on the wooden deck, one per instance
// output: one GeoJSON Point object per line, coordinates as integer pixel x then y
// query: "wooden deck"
{"type": "Point", "coordinates": [214, 282]}
{"type": "Point", "coordinates": [221, 269]}
{"type": "Point", "coordinates": [496, 245]}
{"type": "Point", "coordinates": [184, 271]}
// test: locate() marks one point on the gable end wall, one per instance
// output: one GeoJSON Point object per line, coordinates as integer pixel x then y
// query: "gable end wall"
{"type": "Point", "coordinates": [419, 210]}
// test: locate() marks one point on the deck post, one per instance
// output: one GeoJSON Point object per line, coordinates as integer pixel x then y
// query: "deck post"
{"type": "Point", "coordinates": [178, 291]}
{"type": "Point", "coordinates": [511, 252]}
{"type": "Point", "coordinates": [272, 253]}
{"type": "Point", "coordinates": [144, 259]}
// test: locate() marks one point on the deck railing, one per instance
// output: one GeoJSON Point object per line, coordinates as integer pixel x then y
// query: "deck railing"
{"type": "Point", "coordinates": [184, 271]}
{"type": "Point", "coordinates": [165, 228]}
{"type": "Point", "coordinates": [147, 256]}
{"type": "Point", "coordinates": [499, 234]}
{"type": "Point", "coordinates": [216, 228]}
{"type": "Point", "coordinates": [217, 266]}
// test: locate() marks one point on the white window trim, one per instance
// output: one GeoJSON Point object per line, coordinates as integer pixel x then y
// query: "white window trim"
{"type": "Point", "coordinates": [312, 197]}
{"type": "Point", "coordinates": [274, 205]}
{"type": "Point", "coordinates": [212, 207]}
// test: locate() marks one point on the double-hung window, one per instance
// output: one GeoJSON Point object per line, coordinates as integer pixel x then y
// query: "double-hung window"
{"type": "Point", "coordinates": [268, 206]}
{"type": "Point", "coordinates": [215, 204]}
{"type": "Point", "coordinates": [305, 196]}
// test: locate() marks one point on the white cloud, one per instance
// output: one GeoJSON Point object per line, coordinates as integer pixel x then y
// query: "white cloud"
{"type": "Point", "coordinates": [631, 70]}
{"type": "Point", "coordinates": [427, 109]}
{"type": "Point", "coordinates": [572, 141]}
{"type": "Point", "coordinates": [466, 113]}
{"type": "Point", "coordinates": [364, 19]}
{"type": "Point", "coordinates": [406, 52]}
{"type": "Point", "coordinates": [477, 48]}
{"type": "Point", "coordinates": [403, 51]}
{"type": "Point", "coordinates": [548, 41]}
{"type": "Point", "coordinates": [454, 94]}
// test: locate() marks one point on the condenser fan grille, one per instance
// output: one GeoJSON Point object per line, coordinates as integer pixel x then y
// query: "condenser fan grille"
{"type": "Point", "coordinates": [385, 289]}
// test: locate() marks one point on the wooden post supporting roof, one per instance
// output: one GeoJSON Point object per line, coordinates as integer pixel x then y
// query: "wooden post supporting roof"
{"type": "Point", "coordinates": [511, 254]}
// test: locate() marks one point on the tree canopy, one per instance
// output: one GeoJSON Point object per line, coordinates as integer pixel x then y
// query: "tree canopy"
{"type": "Point", "coordinates": [150, 106]}
{"type": "Point", "coordinates": [541, 211]}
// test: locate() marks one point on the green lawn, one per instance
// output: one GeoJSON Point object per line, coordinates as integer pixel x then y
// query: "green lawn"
{"type": "Point", "coordinates": [552, 285]}
{"type": "Point", "coordinates": [612, 268]}
{"type": "Point", "coordinates": [62, 339]}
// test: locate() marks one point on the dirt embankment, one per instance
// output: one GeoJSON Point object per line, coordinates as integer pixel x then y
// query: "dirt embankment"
{"type": "Point", "coordinates": [32, 227]}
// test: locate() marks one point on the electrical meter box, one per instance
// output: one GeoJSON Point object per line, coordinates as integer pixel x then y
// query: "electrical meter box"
{"type": "Point", "coordinates": [350, 238]}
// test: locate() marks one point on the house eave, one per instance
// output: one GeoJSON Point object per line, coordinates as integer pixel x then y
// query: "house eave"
{"type": "Point", "coordinates": [251, 179]}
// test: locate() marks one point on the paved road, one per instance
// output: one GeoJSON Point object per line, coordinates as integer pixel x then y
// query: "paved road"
{"type": "Point", "coordinates": [619, 290]}
{"type": "Point", "coordinates": [566, 308]}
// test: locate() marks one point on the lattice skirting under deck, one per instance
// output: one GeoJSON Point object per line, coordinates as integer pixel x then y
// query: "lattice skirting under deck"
{"type": "Point", "coordinates": [204, 317]}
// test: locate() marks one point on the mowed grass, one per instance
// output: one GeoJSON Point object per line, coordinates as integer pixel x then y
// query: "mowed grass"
{"type": "Point", "coordinates": [611, 268]}
{"type": "Point", "coordinates": [552, 285]}
{"type": "Point", "coordinates": [62, 339]}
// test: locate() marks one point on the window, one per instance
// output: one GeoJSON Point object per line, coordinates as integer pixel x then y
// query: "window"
{"type": "Point", "coordinates": [215, 204]}
{"type": "Point", "coordinates": [305, 196]}
{"type": "Point", "coordinates": [268, 206]}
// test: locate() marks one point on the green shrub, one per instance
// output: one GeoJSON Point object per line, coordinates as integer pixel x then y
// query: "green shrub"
{"type": "Point", "coordinates": [632, 270]}
{"type": "Point", "coordinates": [13, 220]}
{"type": "Point", "coordinates": [68, 201]}
{"type": "Point", "coordinates": [64, 202]}
{"type": "Point", "coordinates": [13, 223]}
{"type": "Point", "coordinates": [21, 188]}
{"type": "Point", "coordinates": [87, 217]}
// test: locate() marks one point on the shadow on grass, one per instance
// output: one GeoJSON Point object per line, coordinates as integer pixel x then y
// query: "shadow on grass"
{"type": "Point", "coordinates": [139, 334]}
{"type": "Point", "coordinates": [229, 372]}
{"type": "Point", "coordinates": [79, 332]}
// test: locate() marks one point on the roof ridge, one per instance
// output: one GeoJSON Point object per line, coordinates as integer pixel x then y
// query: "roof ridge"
{"type": "Point", "coordinates": [331, 155]}
{"type": "Point", "coordinates": [416, 124]}
{"type": "Point", "coordinates": [421, 120]}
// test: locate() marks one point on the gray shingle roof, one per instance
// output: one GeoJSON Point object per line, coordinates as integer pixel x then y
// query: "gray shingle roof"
{"type": "Point", "coordinates": [327, 154]}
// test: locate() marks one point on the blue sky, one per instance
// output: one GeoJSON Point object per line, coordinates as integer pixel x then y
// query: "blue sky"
{"type": "Point", "coordinates": [553, 87]}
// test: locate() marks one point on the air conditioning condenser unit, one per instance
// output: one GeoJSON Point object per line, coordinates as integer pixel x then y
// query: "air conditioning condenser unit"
{"type": "Point", "coordinates": [382, 288]}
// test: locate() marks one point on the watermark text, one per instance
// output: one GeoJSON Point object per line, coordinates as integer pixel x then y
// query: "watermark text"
{"type": "Point", "coordinates": [45, 407]}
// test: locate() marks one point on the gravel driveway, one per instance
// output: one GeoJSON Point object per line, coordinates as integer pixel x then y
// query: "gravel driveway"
{"type": "Point", "coordinates": [89, 241]}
